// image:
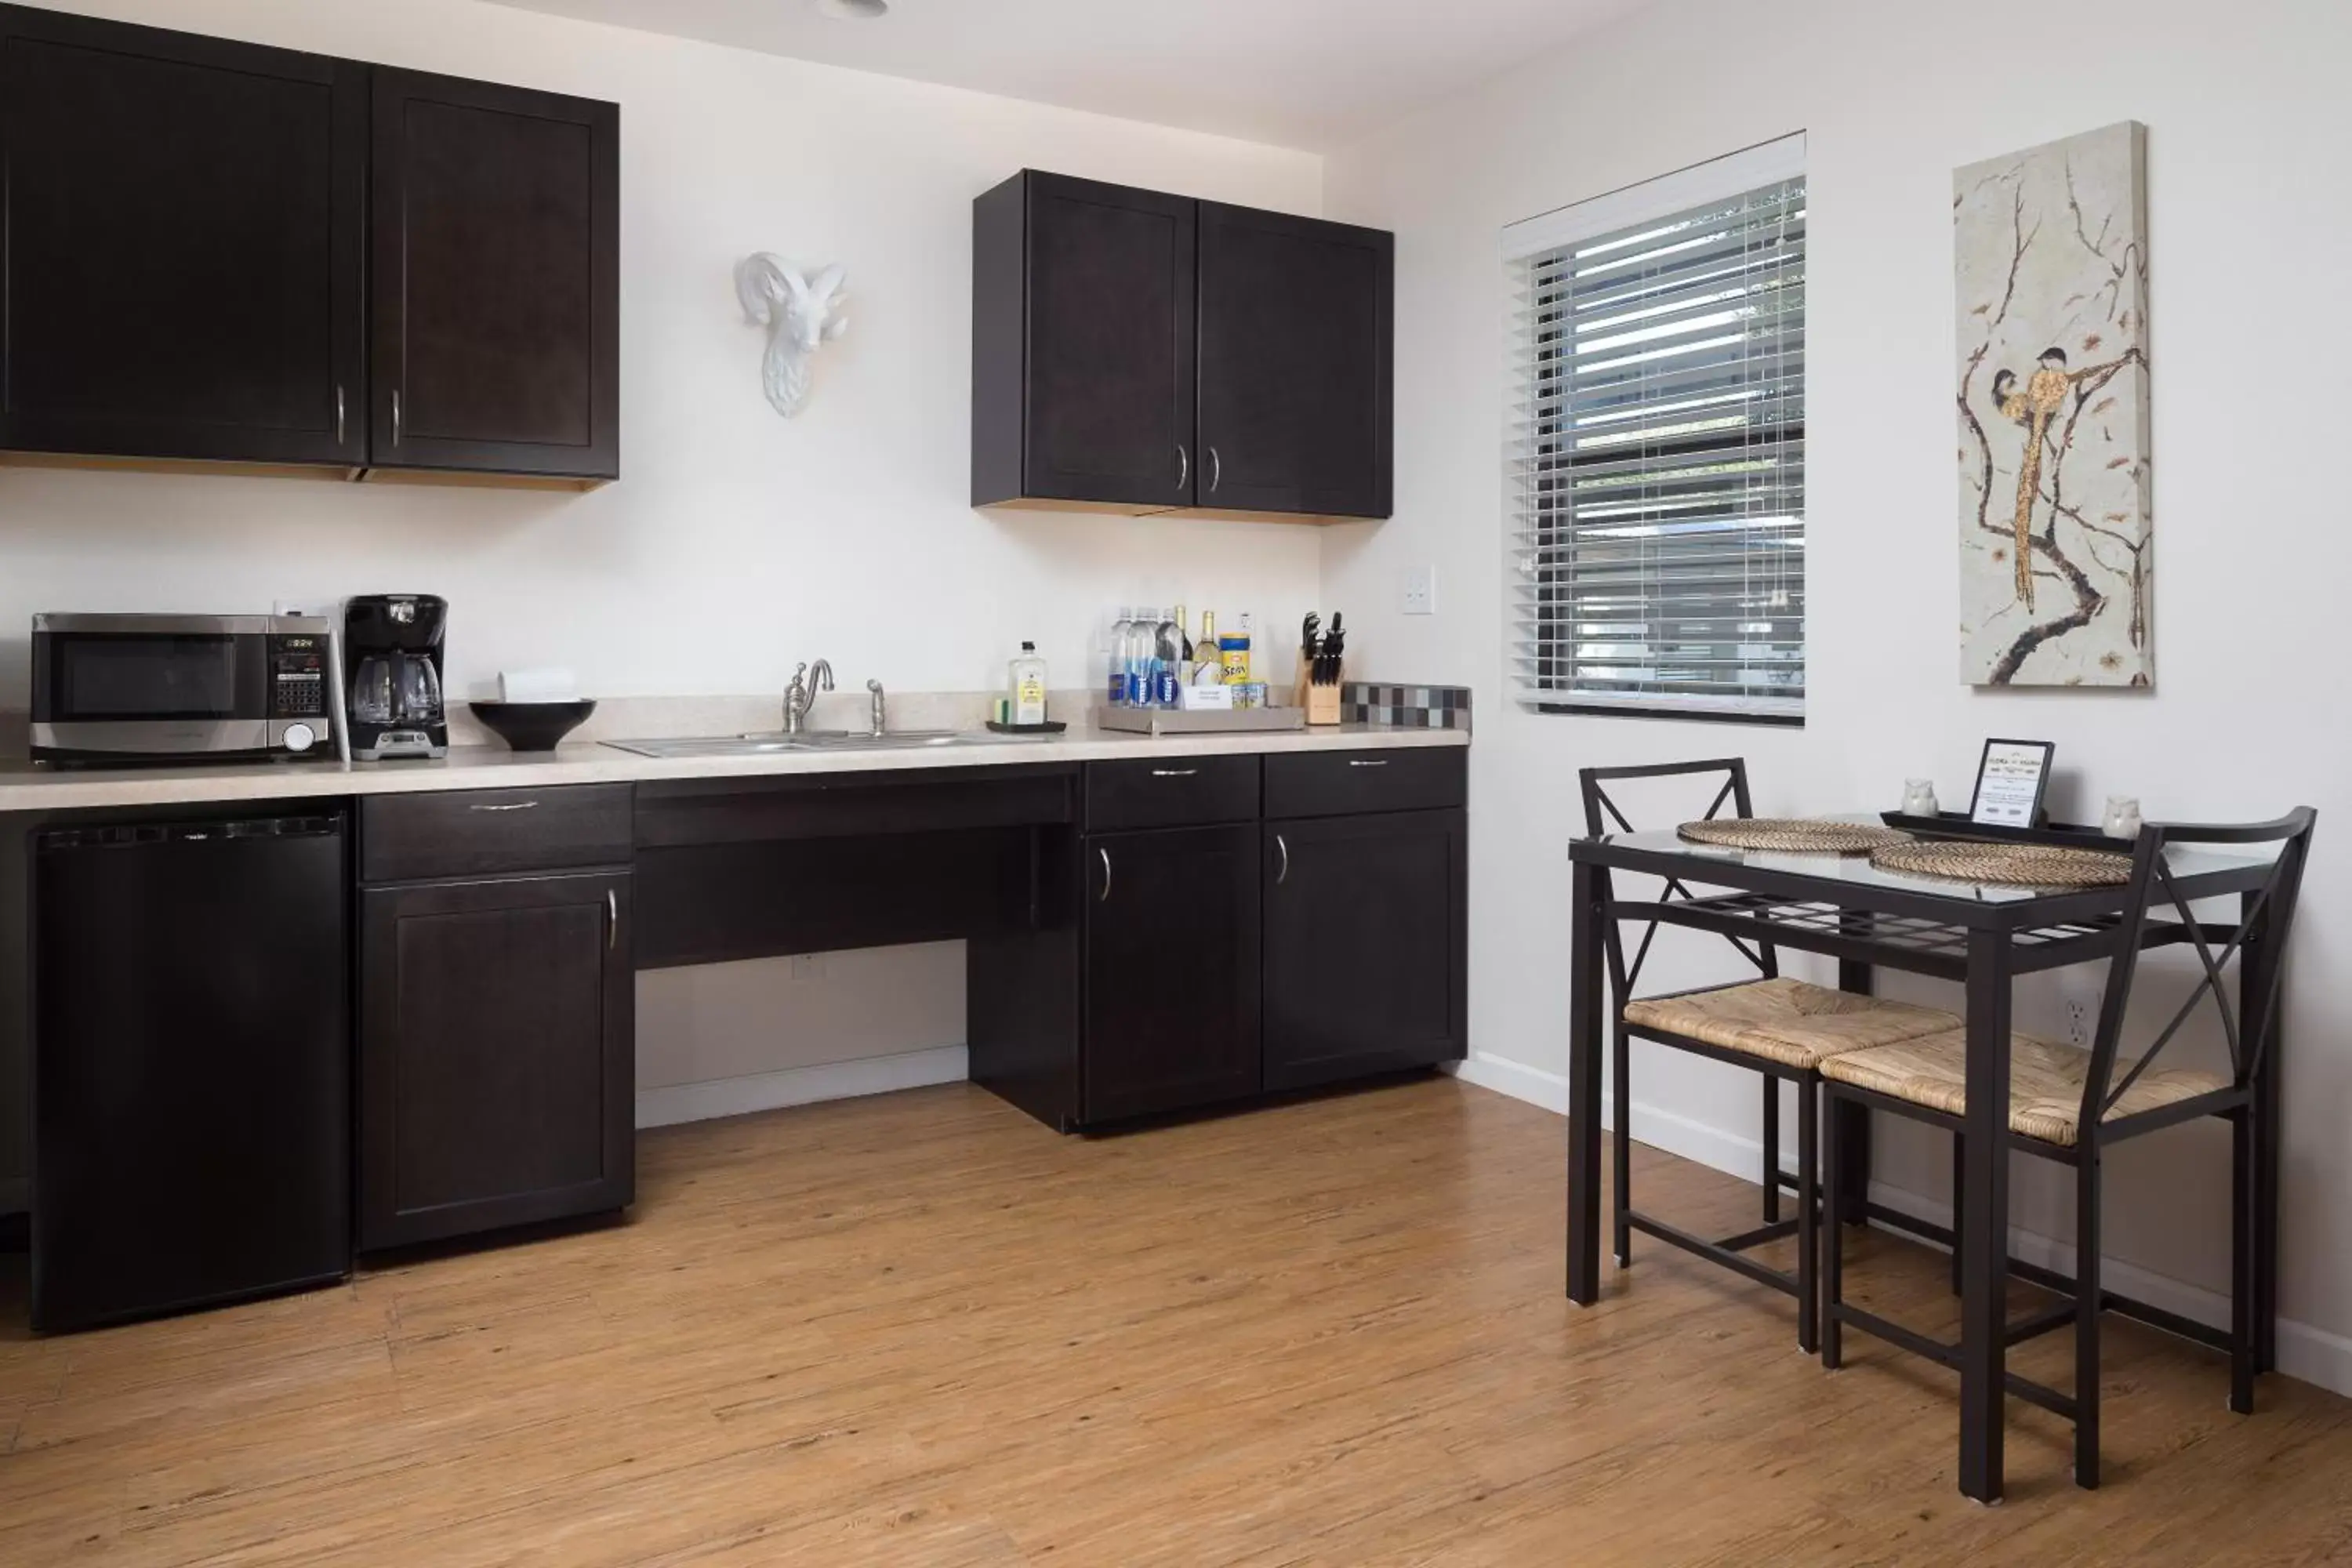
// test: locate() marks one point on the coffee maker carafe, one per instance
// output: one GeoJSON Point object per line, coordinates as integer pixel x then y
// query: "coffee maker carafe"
{"type": "Point", "coordinates": [391, 665]}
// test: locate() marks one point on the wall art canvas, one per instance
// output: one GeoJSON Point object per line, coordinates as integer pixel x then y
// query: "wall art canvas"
{"type": "Point", "coordinates": [2056, 562]}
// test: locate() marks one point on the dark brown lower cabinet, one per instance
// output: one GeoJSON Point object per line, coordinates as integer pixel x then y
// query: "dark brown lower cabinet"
{"type": "Point", "coordinates": [1172, 970]}
{"type": "Point", "coordinates": [497, 1055]}
{"type": "Point", "coordinates": [1366, 944]}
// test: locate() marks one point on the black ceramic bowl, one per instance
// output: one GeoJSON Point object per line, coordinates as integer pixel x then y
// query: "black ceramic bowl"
{"type": "Point", "coordinates": [534, 726]}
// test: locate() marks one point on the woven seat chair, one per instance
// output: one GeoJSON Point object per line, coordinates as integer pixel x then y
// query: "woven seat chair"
{"type": "Point", "coordinates": [2071, 1106]}
{"type": "Point", "coordinates": [1781, 1028]}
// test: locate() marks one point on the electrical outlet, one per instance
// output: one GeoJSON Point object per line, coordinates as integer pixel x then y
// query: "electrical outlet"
{"type": "Point", "coordinates": [2078, 1021]}
{"type": "Point", "coordinates": [1420, 591]}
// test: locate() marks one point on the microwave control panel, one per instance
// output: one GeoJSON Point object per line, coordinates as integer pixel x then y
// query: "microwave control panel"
{"type": "Point", "coordinates": [298, 672]}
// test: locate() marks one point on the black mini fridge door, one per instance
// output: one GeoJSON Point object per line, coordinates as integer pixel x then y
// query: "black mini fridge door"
{"type": "Point", "coordinates": [191, 1064]}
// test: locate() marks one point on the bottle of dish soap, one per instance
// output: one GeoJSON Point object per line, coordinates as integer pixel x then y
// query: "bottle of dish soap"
{"type": "Point", "coordinates": [1028, 673]}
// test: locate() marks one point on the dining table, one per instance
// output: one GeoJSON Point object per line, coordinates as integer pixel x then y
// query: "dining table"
{"type": "Point", "coordinates": [1982, 935]}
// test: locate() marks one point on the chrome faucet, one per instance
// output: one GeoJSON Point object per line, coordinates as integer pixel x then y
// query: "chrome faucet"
{"type": "Point", "coordinates": [799, 697]}
{"type": "Point", "coordinates": [876, 688]}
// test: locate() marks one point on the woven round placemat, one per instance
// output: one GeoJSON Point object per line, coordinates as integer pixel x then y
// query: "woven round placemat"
{"type": "Point", "coordinates": [2019, 865]}
{"type": "Point", "coordinates": [1791, 835]}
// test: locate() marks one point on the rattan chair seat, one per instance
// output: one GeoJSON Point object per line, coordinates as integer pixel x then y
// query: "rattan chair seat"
{"type": "Point", "coordinates": [1792, 1021]}
{"type": "Point", "coordinates": [2045, 1081]}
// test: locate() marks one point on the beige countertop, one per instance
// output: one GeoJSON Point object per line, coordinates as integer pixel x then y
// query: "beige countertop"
{"type": "Point", "coordinates": [30, 786]}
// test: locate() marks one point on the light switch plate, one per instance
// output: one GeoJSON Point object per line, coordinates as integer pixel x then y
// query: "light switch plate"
{"type": "Point", "coordinates": [1420, 597]}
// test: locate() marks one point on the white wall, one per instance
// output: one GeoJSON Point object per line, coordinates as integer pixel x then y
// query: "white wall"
{"type": "Point", "coordinates": [736, 543]}
{"type": "Point", "coordinates": [2247, 127]}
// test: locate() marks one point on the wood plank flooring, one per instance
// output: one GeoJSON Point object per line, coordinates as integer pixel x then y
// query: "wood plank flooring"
{"type": "Point", "coordinates": [921, 1330]}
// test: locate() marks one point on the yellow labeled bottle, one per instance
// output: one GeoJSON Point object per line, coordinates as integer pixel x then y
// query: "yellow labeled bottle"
{"type": "Point", "coordinates": [1028, 686]}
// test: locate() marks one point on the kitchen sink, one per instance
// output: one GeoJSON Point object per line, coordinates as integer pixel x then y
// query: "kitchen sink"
{"type": "Point", "coordinates": [807, 740]}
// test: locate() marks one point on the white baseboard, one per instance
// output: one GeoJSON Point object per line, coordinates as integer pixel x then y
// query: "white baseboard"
{"type": "Point", "coordinates": [674, 1103]}
{"type": "Point", "coordinates": [2313, 1356]}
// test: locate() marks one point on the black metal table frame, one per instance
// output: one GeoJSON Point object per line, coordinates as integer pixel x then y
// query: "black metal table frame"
{"type": "Point", "coordinates": [1983, 944]}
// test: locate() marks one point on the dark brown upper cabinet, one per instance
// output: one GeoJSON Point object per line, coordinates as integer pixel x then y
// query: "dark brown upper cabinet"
{"type": "Point", "coordinates": [1142, 353]}
{"type": "Point", "coordinates": [1296, 322]}
{"type": "Point", "coordinates": [185, 224]}
{"type": "Point", "coordinates": [1082, 344]}
{"type": "Point", "coordinates": [495, 279]}
{"type": "Point", "coordinates": [222, 252]}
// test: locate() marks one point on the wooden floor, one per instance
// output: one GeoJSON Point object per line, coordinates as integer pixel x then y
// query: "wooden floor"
{"type": "Point", "coordinates": [921, 1330]}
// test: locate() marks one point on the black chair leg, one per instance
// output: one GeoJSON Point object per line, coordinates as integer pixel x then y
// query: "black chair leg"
{"type": "Point", "coordinates": [1772, 1150]}
{"type": "Point", "coordinates": [2086, 1315]}
{"type": "Point", "coordinates": [1809, 1314]}
{"type": "Point", "coordinates": [1959, 1196]}
{"type": "Point", "coordinates": [1833, 1241]}
{"type": "Point", "coordinates": [1620, 1145]}
{"type": "Point", "coordinates": [2243, 1175]}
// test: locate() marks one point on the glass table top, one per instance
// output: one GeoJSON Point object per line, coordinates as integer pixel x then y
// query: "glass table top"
{"type": "Point", "coordinates": [2185, 861]}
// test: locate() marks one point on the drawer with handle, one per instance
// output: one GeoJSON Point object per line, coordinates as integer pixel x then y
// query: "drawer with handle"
{"type": "Point", "coordinates": [1341, 783]}
{"type": "Point", "coordinates": [486, 832]}
{"type": "Point", "coordinates": [1171, 791]}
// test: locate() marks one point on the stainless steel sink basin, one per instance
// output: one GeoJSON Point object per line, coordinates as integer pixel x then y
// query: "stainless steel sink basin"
{"type": "Point", "coordinates": [807, 740]}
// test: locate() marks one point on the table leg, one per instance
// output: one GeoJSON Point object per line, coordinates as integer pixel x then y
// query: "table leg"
{"type": "Point", "coordinates": [2255, 983]}
{"type": "Point", "coordinates": [1588, 925]}
{"type": "Point", "coordinates": [1984, 1227]}
{"type": "Point", "coordinates": [1853, 1175]}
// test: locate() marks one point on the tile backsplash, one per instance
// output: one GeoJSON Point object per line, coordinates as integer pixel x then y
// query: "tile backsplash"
{"type": "Point", "coordinates": [1405, 707]}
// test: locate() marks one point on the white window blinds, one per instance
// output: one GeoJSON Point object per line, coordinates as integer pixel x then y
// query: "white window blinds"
{"type": "Point", "coordinates": [1655, 447]}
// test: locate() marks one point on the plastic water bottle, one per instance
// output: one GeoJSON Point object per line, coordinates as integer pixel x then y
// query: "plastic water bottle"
{"type": "Point", "coordinates": [1143, 646]}
{"type": "Point", "coordinates": [1168, 660]}
{"type": "Point", "coordinates": [1122, 629]}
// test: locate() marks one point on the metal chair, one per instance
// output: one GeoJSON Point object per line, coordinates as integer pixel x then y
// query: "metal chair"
{"type": "Point", "coordinates": [2070, 1105]}
{"type": "Point", "coordinates": [1781, 1028]}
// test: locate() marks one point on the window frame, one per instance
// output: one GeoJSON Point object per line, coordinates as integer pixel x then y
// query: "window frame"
{"type": "Point", "coordinates": [1534, 646]}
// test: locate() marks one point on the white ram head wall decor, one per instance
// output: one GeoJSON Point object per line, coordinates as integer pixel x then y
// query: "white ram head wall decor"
{"type": "Point", "coordinates": [802, 309]}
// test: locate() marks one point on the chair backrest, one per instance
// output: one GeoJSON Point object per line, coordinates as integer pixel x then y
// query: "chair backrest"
{"type": "Point", "coordinates": [2267, 912]}
{"type": "Point", "coordinates": [1601, 812]}
{"type": "Point", "coordinates": [1597, 802]}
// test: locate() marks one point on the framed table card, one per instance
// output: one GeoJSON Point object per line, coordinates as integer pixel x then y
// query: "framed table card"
{"type": "Point", "coordinates": [2011, 782]}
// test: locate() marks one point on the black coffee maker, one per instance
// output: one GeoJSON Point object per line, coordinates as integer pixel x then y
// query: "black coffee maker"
{"type": "Point", "coordinates": [392, 675]}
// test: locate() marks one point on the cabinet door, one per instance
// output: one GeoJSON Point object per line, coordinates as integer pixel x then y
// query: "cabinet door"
{"type": "Point", "coordinates": [184, 245]}
{"type": "Point", "coordinates": [1110, 312]}
{"type": "Point", "coordinates": [1172, 970]}
{"type": "Point", "coordinates": [1296, 330]}
{"type": "Point", "coordinates": [1366, 945]}
{"type": "Point", "coordinates": [497, 279]}
{"type": "Point", "coordinates": [497, 1047]}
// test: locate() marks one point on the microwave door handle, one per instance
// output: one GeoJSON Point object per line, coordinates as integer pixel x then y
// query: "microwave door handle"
{"type": "Point", "coordinates": [338, 710]}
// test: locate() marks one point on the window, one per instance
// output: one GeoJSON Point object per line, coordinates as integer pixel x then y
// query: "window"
{"type": "Point", "coordinates": [1655, 445]}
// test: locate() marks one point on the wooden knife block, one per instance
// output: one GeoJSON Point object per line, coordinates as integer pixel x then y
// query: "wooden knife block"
{"type": "Point", "coordinates": [1322, 703]}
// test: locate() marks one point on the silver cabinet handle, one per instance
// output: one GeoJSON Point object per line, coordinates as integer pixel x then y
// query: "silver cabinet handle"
{"type": "Point", "coordinates": [1216, 469]}
{"type": "Point", "coordinates": [1104, 896]}
{"type": "Point", "coordinates": [511, 806]}
{"type": "Point", "coordinates": [612, 920]}
{"type": "Point", "coordinates": [1283, 875]}
{"type": "Point", "coordinates": [1175, 772]}
{"type": "Point", "coordinates": [1362, 762]}
{"type": "Point", "coordinates": [339, 415]}
{"type": "Point", "coordinates": [395, 417]}
{"type": "Point", "coordinates": [1183, 465]}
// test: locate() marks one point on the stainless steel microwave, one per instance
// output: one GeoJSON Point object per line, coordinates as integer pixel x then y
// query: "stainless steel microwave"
{"type": "Point", "coordinates": [129, 688]}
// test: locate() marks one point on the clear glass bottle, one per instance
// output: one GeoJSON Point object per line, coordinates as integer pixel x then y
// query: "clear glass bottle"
{"type": "Point", "coordinates": [1209, 665]}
